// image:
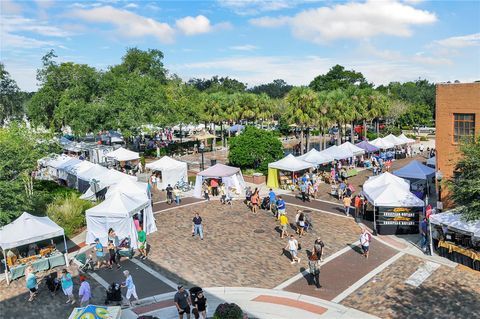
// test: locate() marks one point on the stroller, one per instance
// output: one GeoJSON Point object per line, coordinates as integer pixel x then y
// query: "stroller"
{"type": "Point", "coordinates": [193, 294]}
{"type": "Point", "coordinates": [114, 294]}
{"type": "Point", "coordinates": [125, 249]}
{"type": "Point", "coordinates": [88, 264]}
{"type": "Point", "coordinates": [53, 283]}
{"type": "Point", "coordinates": [265, 203]}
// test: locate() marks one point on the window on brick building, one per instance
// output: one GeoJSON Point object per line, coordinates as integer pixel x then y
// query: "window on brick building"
{"type": "Point", "coordinates": [463, 127]}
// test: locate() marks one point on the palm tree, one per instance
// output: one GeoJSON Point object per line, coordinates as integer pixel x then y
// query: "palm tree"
{"type": "Point", "coordinates": [302, 108]}
{"type": "Point", "coordinates": [338, 109]}
{"type": "Point", "coordinates": [357, 109]}
{"type": "Point", "coordinates": [324, 120]}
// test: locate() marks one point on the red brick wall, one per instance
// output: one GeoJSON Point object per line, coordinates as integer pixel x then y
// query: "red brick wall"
{"type": "Point", "coordinates": [450, 99]}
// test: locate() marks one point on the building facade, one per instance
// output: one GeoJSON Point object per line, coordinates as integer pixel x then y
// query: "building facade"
{"type": "Point", "coordinates": [457, 119]}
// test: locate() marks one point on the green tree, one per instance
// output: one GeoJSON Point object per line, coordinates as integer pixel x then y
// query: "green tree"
{"type": "Point", "coordinates": [302, 109]}
{"type": "Point", "coordinates": [275, 90]}
{"type": "Point", "coordinates": [216, 84]}
{"type": "Point", "coordinates": [20, 148]}
{"type": "Point", "coordinates": [339, 78]}
{"type": "Point", "coordinates": [465, 183]}
{"type": "Point", "coordinates": [11, 99]}
{"type": "Point", "coordinates": [415, 114]}
{"type": "Point", "coordinates": [254, 148]}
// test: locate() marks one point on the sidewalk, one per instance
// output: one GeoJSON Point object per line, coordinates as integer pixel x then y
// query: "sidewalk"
{"type": "Point", "coordinates": [262, 304]}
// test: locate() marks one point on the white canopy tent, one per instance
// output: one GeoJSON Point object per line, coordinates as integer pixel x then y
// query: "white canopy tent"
{"type": "Point", "coordinates": [394, 140]}
{"type": "Point", "coordinates": [392, 195]}
{"type": "Point", "coordinates": [337, 153]}
{"type": "Point", "coordinates": [382, 144]}
{"type": "Point", "coordinates": [54, 163]}
{"type": "Point", "coordinates": [122, 154]}
{"type": "Point", "coordinates": [315, 157]}
{"type": "Point", "coordinates": [406, 139]}
{"type": "Point", "coordinates": [172, 170]}
{"type": "Point", "coordinates": [28, 229]}
{"type": "Point", "coordinates": [231, 176]}
{"type": "Point", "coordinates": [383, 180]}
{"type": "Point", "coordinates": [454, 221]}
{"type": "Point", "coordinates": [349, 147]}
{"type": "Point", "coordinates": [291, 163]}
{"type": "Point", "coordinates": [115, 212]}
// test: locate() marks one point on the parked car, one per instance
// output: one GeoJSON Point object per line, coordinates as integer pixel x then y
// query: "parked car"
{"type": "Point", "coordinates": [424, 129]}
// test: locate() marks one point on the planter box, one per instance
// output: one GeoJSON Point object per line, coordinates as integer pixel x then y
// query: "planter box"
{"type": "Point", "coordinates": [255, 179]}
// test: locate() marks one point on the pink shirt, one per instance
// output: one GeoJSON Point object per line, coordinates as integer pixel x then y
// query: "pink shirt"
{"type": "Point", "coordinates": [137, 224]}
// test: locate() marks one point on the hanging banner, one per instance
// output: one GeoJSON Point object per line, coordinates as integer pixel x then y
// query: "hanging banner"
{"type": "Point", "coordinates": [398, 220]}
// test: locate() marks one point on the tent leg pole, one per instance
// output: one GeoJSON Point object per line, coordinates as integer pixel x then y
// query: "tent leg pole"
{"type": "Point", "coordinates": [374, 222]}
{"type": "Point", "coordinates": [430, 235]}
{"type": "Point", "coordinates": [6, 267]}
{"type": "Point", "coordinates": [66, 250]}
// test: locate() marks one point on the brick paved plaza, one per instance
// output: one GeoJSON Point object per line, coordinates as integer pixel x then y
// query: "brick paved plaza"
{"type": "Point", "coordinates": [447, 293]}
{"type": "Point", "coordinates": [232, 254]}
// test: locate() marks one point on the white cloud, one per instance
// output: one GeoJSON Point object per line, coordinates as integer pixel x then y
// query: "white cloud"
{"type": "Point", "coordinates": [413, 1]}
{"type": "Point", "coordinates": [194, 25]}
{"type": "Point", "coordinates": [11, 41]}
{"type": "Point", "coordinates": [252, 7]}
{"type": "Point", "coordinates": [463, 41]}
{"type": "Point", "coordinates": [131, 6]}
{"type": "Point", "coordinates": [352, 20]}
{"type": "Point", "coordinates": [127, 23]}
{"type": "Point", "coordinates": [246, 47]}
{"type": "Point", "coordinates": [9, 7]}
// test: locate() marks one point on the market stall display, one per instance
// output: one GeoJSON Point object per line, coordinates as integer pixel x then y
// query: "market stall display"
{"type": "Point", "coordinates": [420, 176]}
{"type": "Point", "coordinates": [172, 171]}
{"type": "Point", "coordinates": [230, 176]}
{"type": "Point", "coordinates": [457, 239]}
{"type": "Point", "coordinates": [290, 164]}
{"type": "Point", "coordinates": [28, 229]}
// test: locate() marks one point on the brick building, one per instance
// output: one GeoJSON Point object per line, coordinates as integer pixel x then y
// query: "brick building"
{"type": "Point", "coordinates": [457, 118]}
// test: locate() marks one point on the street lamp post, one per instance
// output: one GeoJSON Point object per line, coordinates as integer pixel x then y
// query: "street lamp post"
{"type": "Point", "coordinates": [202, 148]}
{"type": "Point", "coordinates": [439, 177]}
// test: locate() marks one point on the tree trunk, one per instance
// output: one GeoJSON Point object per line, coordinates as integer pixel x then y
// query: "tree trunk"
{"type": "Point", "coordinates": [377, 126]}
{"type": "Point", "coordinates": [352, 131]}
{"type": "Point", "coordinates": [307, 139]}
{"type": "Point", "coordinates": [214, 141]}
{"type": "Point", "coordinates": [223, 136]}
{"type": "Point", "coordinates": [339, 137]}
{"type": "Point", "coordinates": [365, 129]}
{"type": "Point", "coordinates": [180, 133]}
{"type": "Point", "coordinates": [301, 141]}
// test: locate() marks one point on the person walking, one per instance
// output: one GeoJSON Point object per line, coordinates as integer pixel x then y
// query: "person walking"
{"type": "Point", "coordinates": [424, 234]}
{"type": "Point", "coordinates": [99, 253]}
{"type": "Point", "coordinates": [112, 259]}
{"type": "Point", "coordinates": [272, 199]}
{"type": "Point", "coordinates": [283, 225]}
{"type": "Point", "coordinates": [112, 236]}
{"type": "Point", "coordinates": [214, 186]}
{"type": "Point", "coordinates": [223, 194]}
{"type": "Point", "coordinates": [84, 293]}
{"type": "Point", "coordinates": [303, 189]}
{"type": "Point", "coordinates": [67, 286]}
{"type": "Point", "coordinates": [131, 290]}
{"type": "Point", "coordinates": [314, 267]}
{"type": "Point", "coordinates": [200, 304]}
{"type": "Point", "coordinates": [205, 191]}
{"type": "Point", "coordinates": [292, 246]}
{"type": "Point", "coordinates": [281, 207]}
{"type": "Point", "coordinates": [142, 244]}
{"type": "Point", "coordinates": [169, 191]}
{"type": "Point", "coordinates": [347, 201]}
{"type": "Point", "coordinates": [365, 239]}
{"type": "Point", "coordinates": [318, 246]}
{"type": "Point", "coordinates": [254, 199]}
{"type": "Point", "coordinates": [176, 194]}
{"type": "Point", "coordinates": [197, 226]}
{"type": "Point", "coordinates": [31, 282]}
{"type": "Point", "coordinates": [182, 302]}
{"type": "Point", "coordinates": [358, 206]}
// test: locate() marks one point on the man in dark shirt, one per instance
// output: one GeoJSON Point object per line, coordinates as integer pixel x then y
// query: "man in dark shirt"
{"type": "Point", "coordinates": [197, 226]}
{"type": "Point", "coordinates": [424, 232]}
{"type": "Point", "coordinates": [169, 190]}
{"type": "Point", "coordinates": [182, 302]}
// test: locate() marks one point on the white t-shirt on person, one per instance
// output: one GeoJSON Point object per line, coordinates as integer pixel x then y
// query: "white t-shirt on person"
{"type": "Point", "coordinates": [365, 240]}
{"type": "Point", "coordinates": [292, 244]}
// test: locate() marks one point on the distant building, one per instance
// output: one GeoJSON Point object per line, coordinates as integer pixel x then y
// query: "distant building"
{"type": "Point", "coordinates": [457, 119]}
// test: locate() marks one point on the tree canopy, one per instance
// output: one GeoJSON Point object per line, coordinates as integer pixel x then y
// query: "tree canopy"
{"type": "Point", "coordinates": [11, 99]}
{"type": "Point", "coordinates": [465, 183]}
{"type": "Point", "coordinates": [276, 89]}
{"type": "Point", "coordinates": [338, 78]}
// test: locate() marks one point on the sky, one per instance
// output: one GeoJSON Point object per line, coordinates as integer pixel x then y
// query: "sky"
{"type": "Point", "coordinates": [254, 41]}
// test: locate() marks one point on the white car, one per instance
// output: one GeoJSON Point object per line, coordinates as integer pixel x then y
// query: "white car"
{"type": "Point", "coordinates": [425, 129]}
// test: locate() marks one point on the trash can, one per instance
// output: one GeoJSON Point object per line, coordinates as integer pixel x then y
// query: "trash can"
{"type": "Point", "coordinates": [213, 162]}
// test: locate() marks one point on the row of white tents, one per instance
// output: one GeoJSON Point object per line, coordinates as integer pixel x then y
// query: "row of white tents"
{"type": "Point", "coordinates": [391, 141]}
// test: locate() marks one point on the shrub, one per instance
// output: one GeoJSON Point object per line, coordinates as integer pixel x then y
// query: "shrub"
{"type": "Point", "coordinates": [423, 138]}
{"type": "Point", "coordinates": [255, 148]}
{"type": "Point", "coordinates": [228, 311]}
{"type": "Point", "coordinates": [371, 136]}
{"type": "Point", "coordinates": [68, 211]}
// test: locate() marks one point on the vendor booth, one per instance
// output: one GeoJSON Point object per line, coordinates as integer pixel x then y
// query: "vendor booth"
{"type": "Point", "coordinates": [382, 144]}
{"type": "Point", "coordinates": [394, 140]}
{"type": "Point", "coordinates": [28, 229]}
{"type": "Point", "coordinates": [337, 153]}
{"type": "Point", "coordinates": [117, 212]}
{"type": "Point", "coordinates": [290, 164]}
{"type": "Point", "coordinates": [231, 176]}
{"type": "Point", "coordinates": [456, 239]}
{"type": "Point", "coordinates": [421, 177]}
{"type": "Point", "coordinates": [349, 147]}
{"type": "Point", "coordinates": [367, 147]}
{"type": "Point", "coordinates": [315, 157]}
{"type": "Point", "coordinates": [172, 171]}
{"type": "Point", "coordinates": [122, 154]}
{"type": "Point", "coordinates": [406, 139]}
{"type": "Point", "coordinates": [395, 209]}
